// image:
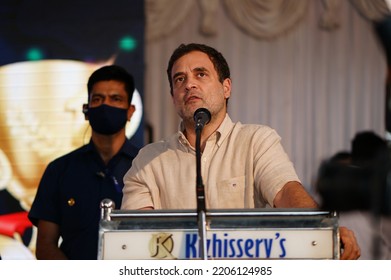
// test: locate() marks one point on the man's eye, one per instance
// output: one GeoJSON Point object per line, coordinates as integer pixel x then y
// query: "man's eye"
{"type": "Point", "coordinates": [96, 99]}
{"type": "Point", "coordinates": [179, 79]}
{"type": "Point", "coordinates": [201, 75]}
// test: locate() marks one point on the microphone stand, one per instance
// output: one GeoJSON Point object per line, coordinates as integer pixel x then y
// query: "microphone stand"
{"type": "Point", "coordinates": [200, 191]}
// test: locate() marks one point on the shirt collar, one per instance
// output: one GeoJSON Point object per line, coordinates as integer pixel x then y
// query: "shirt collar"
{"type": "Point", "coordinates": [220, 134]}
{"type": "Point", "coordinates": [127, 148]}
{"type": "Point", "coordinates": [224, 129]}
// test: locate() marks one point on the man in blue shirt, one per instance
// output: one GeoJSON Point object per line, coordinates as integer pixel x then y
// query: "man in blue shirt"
{"type": "Point", "coordinates": [67, 204]}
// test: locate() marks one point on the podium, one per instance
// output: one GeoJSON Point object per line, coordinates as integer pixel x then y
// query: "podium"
{"type": "Point", "coordinates": [230, 234]}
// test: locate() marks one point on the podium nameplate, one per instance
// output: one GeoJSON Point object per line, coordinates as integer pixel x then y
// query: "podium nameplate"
{"type": "Point", "coordinates": [231, 234]}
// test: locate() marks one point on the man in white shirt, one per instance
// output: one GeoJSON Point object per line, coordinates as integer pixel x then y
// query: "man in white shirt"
{"type": "Point", "coordinates": [244, 166]}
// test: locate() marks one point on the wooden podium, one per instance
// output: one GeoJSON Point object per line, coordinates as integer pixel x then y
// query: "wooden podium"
{"type": "Point", "coordinates": [230, 234]}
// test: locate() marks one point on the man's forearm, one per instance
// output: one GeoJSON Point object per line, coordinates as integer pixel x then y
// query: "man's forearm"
{"type": "Point", "coordinates": [294, 195]}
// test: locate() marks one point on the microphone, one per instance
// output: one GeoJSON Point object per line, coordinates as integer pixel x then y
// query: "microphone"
{"type": "Point", "coordinates": [201, 117]}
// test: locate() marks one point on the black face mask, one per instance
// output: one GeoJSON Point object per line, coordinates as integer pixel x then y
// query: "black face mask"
{"type": "Point", "coordinates": [106, 119]}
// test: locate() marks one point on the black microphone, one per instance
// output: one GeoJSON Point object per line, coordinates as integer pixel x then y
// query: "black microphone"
{"type": "Point", "coordinates": [201, 117]}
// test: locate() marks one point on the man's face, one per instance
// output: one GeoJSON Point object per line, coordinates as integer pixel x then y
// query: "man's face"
{"type": "Point", "coordinates": [110, 92]}
{"type": "Point", "coordinates": [196, 84]}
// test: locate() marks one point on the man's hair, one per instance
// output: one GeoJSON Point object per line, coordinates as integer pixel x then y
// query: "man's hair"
{"type": "Point", "coordinates": [343, 157]}
{"type": "Point", "coordinates": [368, 146]}
{"type": "Point", "coordinates": [112, 72]}
{"type": "Point", "coordinates": [218, 60]}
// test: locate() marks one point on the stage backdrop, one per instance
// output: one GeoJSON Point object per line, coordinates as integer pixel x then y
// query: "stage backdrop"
{"type": "Point", "coordinates": [48, 49]}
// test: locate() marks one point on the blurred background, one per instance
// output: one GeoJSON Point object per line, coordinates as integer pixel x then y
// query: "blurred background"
{"type": "Point", "coordinates": [315, 70]}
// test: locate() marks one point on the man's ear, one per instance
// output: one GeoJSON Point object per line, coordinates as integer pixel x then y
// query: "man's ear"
{"type": "Point", "coordinates": [131, 110]}
{"type": "Point", "coordinates": [227, 88]}
{"type": "Point", "coordinates": [85, 111]}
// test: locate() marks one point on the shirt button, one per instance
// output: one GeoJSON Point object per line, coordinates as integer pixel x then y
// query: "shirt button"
{"type": "Point", "coordinates": [71, 202]}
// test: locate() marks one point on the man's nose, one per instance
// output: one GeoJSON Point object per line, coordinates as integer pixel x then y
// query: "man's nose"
{"type": "Point", "coordinates": [106, 101]}
{"type": "Point", "coordinates": [190, 83]}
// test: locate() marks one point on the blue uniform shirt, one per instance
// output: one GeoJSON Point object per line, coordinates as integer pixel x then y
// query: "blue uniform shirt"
{"type": "Point", "coordinates": [70, 193]}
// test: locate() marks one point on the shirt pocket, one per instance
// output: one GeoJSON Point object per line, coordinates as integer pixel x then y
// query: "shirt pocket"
{"type": "Point", "coordinates": [231, 193]}
{"type": "Point", "coordinates": [78, 211]}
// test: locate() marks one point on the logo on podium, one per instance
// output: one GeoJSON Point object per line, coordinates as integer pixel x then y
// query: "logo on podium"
{"type": "Point", "coordinates": [161, 246]}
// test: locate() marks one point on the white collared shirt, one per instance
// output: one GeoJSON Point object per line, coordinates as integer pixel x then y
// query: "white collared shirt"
{"type": "Point", "coordinates": [242, 166]}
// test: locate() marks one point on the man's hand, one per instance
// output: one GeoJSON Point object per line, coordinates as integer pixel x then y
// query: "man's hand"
{"type": "Point", "coordinates": [293, 195]}
{"type": "Point", "coordinates": [351, 250]}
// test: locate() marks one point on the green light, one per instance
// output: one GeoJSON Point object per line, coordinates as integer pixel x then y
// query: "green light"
{"type": "Point", "coordinates": [127, 43]}
{"type": "Point", "coordinates": [34, 54]}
